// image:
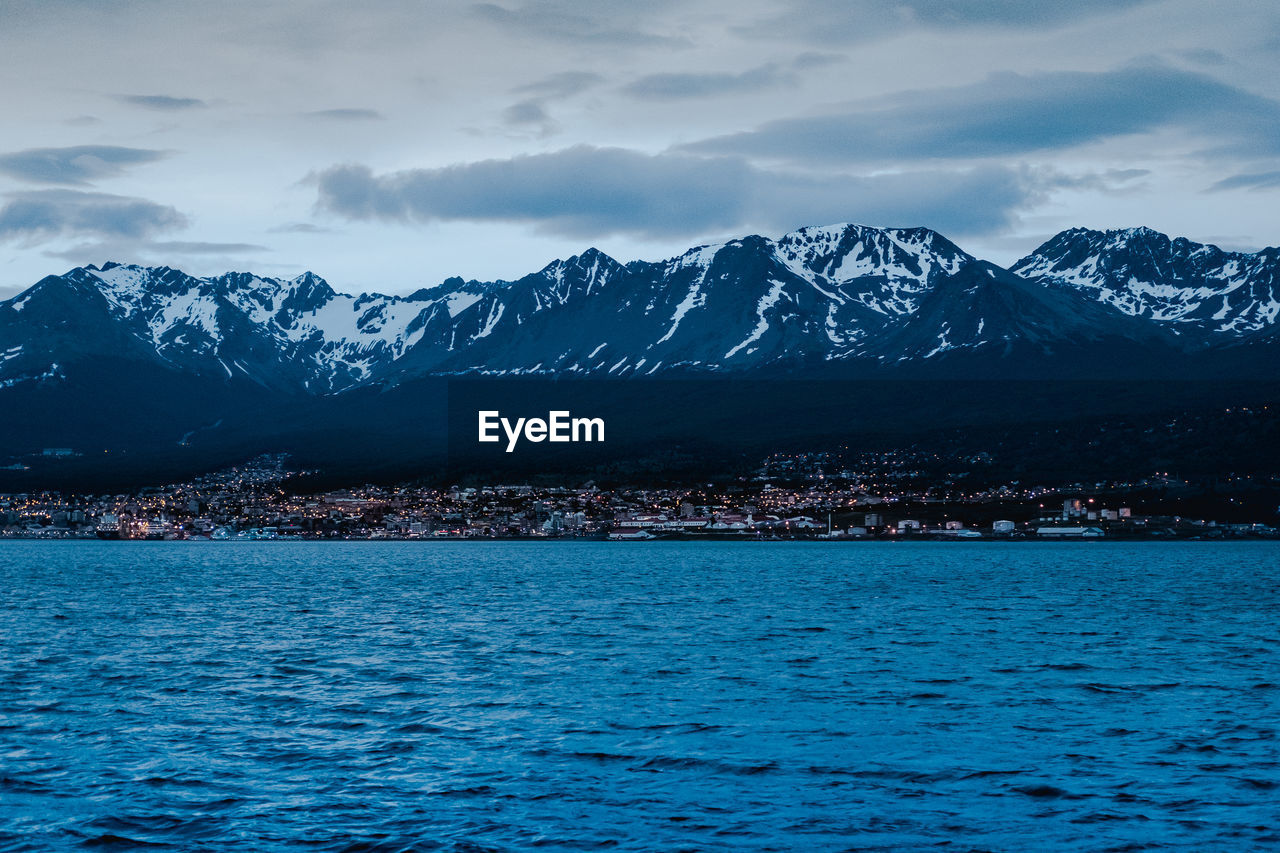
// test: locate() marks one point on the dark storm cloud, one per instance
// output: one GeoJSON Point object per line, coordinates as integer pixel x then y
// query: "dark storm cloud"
{"type": "Point", "coordinates": [613, 23]}
{"type": "Point", "coordinates": [164, 103]}
{"type": "Point", "coordinates": [1252, 181]}
{"type": "Point", "coordinates": [346, 114]}
{"type": "Point", "coordinates": [46, 214]}
{"type": "Point", "coordinates": [565, 84]}
{"type": "Point", "coordinates": [1014, 114]}
{"type": "Point", "coordinates": [588, 192]}
{"type": "Point", "coordinates": [666, 86]}
{"type": "Point", "coordinates": [868, 20]}
{"type": "Point", "coordinates": [77, 165]}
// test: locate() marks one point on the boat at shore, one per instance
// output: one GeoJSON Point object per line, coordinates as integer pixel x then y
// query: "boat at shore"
{"type": "Point", "coordinates": [630, 534]}
{"type": "Point", "coordinates": [108, 527]}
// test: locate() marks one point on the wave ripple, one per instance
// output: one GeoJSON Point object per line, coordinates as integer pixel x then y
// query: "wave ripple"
{"type": "Point", "coordinates": [582, 696]}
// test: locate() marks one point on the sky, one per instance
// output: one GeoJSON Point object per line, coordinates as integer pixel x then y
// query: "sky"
{"type": "Point", "coordinates": [390, 144]}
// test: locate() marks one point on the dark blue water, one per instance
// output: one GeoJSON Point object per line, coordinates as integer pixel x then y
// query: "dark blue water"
{"type": "Point", "coordinates": [639, 696]}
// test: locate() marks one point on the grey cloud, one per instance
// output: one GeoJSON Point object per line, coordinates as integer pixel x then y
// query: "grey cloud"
{"type": "Point", "coordinates": [592, 192]}
{"type": "Point", "coordinates": [1252, 181]}
{"type": "Point", "coordinates": [1203, 56]}
{"type": "Point", "coordinates": [833, 21]}
{"type": "Point", "coordinates": [77, 165]}
{"type": "Point", "coordinates": [613, 24]}
{"type": "Point", "coordinates": [46, 214]}
{"type": "Point", "coordinates": [1017, 13]}
{"type": "Point", "coordinates": [564, 84]}
{"type": "Point", "coordinates": [532, 111]}
{"type": "Point", "coordinates": [1011, 114]}
{"type": "Point", "coordinates": [815, 59]}
{"type": "Point", "coordinates": [578, 191]}
{"type": "Point", "coordinates": [164, 103]}
{"type": "Point", "coordinates": [940, 199]}
{"type": "Point", "coordinates": [181, 247]}
{"type": "Point", "coordinates": [1110, 180]}
{"type": "Point", "coordinates": [675, 85]}
{"type": "Point", "coordinates": [530, 116]}
{"type": "Point", "coordinates": [526, 112]}
{"type": "Point", "coordinates": [346, 114]}
{"type": "Point", "coordinates": [150, 252]}
{"type": "Point", "coordinates": [299, 228]}
{"type": "Point", "coordinates": [666, 85]}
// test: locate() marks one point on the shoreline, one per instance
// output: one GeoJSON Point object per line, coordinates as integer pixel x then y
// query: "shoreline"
{"type": "Point", "coordinates": [660, 539]}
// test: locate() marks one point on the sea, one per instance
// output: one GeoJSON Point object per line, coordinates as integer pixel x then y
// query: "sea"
{"type": "Point", "coordinates": [647, 696]}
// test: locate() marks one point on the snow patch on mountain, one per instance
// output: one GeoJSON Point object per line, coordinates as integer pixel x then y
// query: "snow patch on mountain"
{"type": "Point", "coordinates": [767, 302]}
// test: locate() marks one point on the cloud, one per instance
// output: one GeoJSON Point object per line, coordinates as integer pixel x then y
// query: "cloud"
{"type": "Point", "coordinates": [1203, 56]}
{"type": "Point", "coordinates": [1109, 180]}
{"type": "Point", "coordinates": [941, 199]}
{"type": "Point", "coordinates": [1011, 114]}
{"type": "Point", "coordinates": [815, 59]}
{"type": "Point", "coordinates": [608, 24]}
{"type": "Point", "coordinates": [666, 85]}
{"type": "Point", "coordinates": [531, 116]}
{"type": "Point", "coordinates": [299, 228]}
{"type": "Point", "coordinates": [579, 191]}
{"type": "Point", "coordinates": [165, 103]}
{"type": "Point", "coordinates": [526, 112]}
{"type": "Point", "coordinates": [77, 165]}
{"type": "Point", "coordinates": [151, 252]}
{"type": "Point", "coordinates": [564, 84]}
{"type": "Point", "coordinates": [347, 114]}
{"type": "Point", "coordinates": [835, 21]}
{"type": "Point", "coordinates": [181, 247]}
{"type": "Point", "coordinates": [1252, 181]}
{"type": "Point", "coordinates": [42, 215]}
{"type": "Point", "coordinates": [588, 192]}
{"type": "Point", "coordinates": [532, 112]}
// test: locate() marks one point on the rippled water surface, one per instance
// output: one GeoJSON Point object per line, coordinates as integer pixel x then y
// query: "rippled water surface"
{"type": "Point", "coordinates": [639, 696]}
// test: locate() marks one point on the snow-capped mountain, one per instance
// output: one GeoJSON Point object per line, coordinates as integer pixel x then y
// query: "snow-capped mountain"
{"type": "Point", "coordinates": [276, 332]}
{"type": "Point", "coordinates": [825, 298]}
{"type": "Point", "coordinates": [815, 295]}
{"type": "Point", "coordinates": [1191, 287]}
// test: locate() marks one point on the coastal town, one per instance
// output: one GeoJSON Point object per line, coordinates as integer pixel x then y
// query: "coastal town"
{"type": "Point", "coordinates": [797, 496]}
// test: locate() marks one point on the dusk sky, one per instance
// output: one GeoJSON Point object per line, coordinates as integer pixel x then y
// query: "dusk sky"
{"type": "Point", "coordinates": [391, 144]}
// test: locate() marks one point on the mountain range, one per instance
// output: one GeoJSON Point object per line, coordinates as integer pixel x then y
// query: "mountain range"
{"type": "Point", "coordinates": [843, 295]}
{"type": "Point", "coordinates": [144, 355]}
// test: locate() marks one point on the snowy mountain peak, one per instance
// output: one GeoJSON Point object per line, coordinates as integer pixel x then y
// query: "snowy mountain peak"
{"type": "Point", "coordinates": [844, 252]}
{"type": "Point", "coordinates": [1141, 272]}
{"type": "Point", "coordinates": [824, 295]}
